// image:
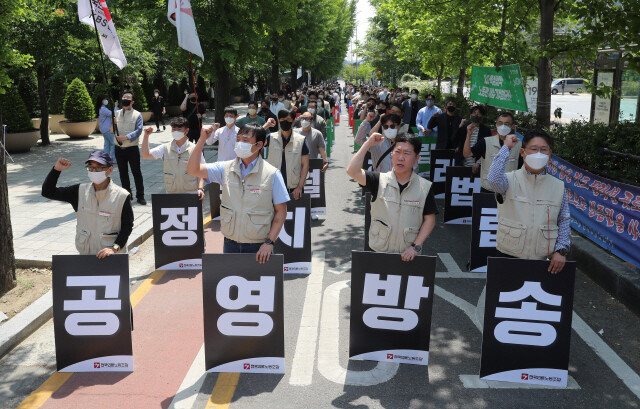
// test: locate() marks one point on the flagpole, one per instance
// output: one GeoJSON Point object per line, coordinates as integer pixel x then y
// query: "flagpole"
{"type": "Point", "coordinates": [104, 72]}
{"type": "Point", "coordinates": [195, 92]}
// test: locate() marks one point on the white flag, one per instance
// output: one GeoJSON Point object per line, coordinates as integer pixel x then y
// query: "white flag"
{"type": "Point", "coordinates": [106, 29]}
{"type": "Point", "coordinates": [181, 16]}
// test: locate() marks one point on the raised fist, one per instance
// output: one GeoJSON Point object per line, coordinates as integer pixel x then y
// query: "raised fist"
{"type": "Point", "coordinates": [62, 164]}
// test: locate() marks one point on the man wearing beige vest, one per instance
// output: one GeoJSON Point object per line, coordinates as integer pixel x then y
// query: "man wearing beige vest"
{"type": "Point", "coordinates": [533, 207]}
{"type": "Point", "coordinates": [403, 207]}
{"type": "Point", "coordinates": [288, 152]}
{"type": "Point", "coordinates": [105, 216]}
{"type": "Point", "coordinates": [254, 196]}
{"type": "Point", "coordinates": [488, 147]}
{"type": "Point", "coordinates": [175, 155]}
{"type": "Point", "coordinates": [127, 152]}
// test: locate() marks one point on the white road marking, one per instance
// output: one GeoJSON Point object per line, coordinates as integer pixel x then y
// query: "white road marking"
{"type": "Point", "coordinates": [305, 354]}
{"type": "Point", "coordinates": [465, 306]}
{"type": "Point", "coordinates": [604, 351]}
{"type": "Point", "coordinates": [474, 382]}
{"type": "Point", "coordinates": [188, 390]}
{"type": "Point", "coordinates": [449, 263]}
{"type": "Point", "coordinates": [329, 347]}
{"type": "Point", "coordinates": [342, 268]}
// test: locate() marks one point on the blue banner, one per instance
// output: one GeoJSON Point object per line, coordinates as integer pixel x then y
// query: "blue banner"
{"type": "Point", "coordinates": [605, 211]}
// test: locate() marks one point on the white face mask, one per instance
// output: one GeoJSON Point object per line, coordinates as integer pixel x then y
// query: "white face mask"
{"type": "Point", "coordinates": [414, 96]}
{"type": "Point", "coordinates": [105, 102]}
{"type": "Point", "coordinates": [391, 133]}
{"type": "Point", "coordinates": [97, 177]}
{"type": "Point", "coordinates": [504, 130]}
{"type": "Point", "coordinates": [156, 94]}
{"type": "Point", "coordinates": [229, 120]}
{"type": "Point", "coordinates": [177, 135]}
{"type": "Point", "coordinates": [243, 150]}
{"type": "Point", "coordinates": [305, 124]}
{"type": "Point", "coordinates": [252, 111]}
{"type": "Point", "coordinates": [312, 111]}
{"type": "Point", "coordinates": [536, 161]}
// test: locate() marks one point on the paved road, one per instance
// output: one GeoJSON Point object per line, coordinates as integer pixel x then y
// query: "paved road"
{"type": "Point", "coordinates": [603, 368]}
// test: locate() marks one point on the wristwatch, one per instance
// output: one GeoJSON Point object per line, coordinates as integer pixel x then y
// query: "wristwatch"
{"type": "Point", "coordinates": [563, 251]}
{"type": "Point", "coordinates": [416, 247]}
{"type": "Point", "coordinates": [115, 248]}
{"type": "Point", "coordinates": [268, 241]}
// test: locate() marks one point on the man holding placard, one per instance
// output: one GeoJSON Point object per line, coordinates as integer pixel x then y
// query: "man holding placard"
{"type": "Point", "coordinates": [254, 196]}
{"type": "Point", "coordinates": [533, 208]}
{"type": "Point", "coordinates": [403, 207]}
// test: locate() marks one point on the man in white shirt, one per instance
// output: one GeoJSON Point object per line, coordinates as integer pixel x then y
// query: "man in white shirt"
{"type": "Point", "coordinates": [276, 106]}
{"type": "Point", "coordinates": [226, 136]}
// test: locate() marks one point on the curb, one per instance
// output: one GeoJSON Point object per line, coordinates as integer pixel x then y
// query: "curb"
{"type": "Point", "coordinates": [618, 278]}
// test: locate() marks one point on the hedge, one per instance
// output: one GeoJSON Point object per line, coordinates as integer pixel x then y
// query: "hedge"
{"type": "Point", "coordinates": [15, 114]}
{"type": "Point", "coordinates": [78, 106]}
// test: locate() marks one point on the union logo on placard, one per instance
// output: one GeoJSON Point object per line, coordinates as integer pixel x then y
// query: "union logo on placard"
{"type": "Point", "coordinates": [524, 377]}
{"type": "Point", "coordinates": [246, 366]}
{"type": "Point", "coordinates": [181, 265]}
{"type": "Point", "coordinates": [96, 365]}
{"type": "Point", "coordinates": [389, 356]}
{"type": "Point", "coordinates": [286, 269]}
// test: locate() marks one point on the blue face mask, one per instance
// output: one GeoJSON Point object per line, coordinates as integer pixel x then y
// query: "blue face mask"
{"type": "Point", "coordinates": [429, 102]}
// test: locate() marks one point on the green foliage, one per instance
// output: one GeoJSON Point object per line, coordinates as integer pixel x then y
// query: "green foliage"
{"type": "Point", "coordinates": [15, 114]}
{"type": "Point", "coordinates": [140, 101]}
{"type": "Point", "coordinates": [28, 89]}
{"type": "Point", "coordinates": [77, 102]}
{"type": "Point", "coordinates": [580, 143]}
{"type": "Point", "coordinates": [57, 90]}
{"type": "Point", "coordinates": [364, 71]}
{"type": "Point", "coordinates": [175, 95]}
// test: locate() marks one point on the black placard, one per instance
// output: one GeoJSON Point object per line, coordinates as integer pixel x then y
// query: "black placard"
{"type": "Point", "coordinates": [367, 164]}
{"type": "Point", "coordinates": [294, 240]}
{"type": "Point", "coordinates": [215, 198]}
{"type": "Point", "coordinates": [440, 160]}
{"type": "Point", "coordinates": [178, 235]}
{"type": "Point", "coordinates": [367, 220]}
{"type": "Point", "coordinates": [92, 313]}
{"type": "Point", "coordinates": [391, 303]}
{"type": "Point", "coordinates": [243, 313]}
{"type": "Point", "coordinates": [484, 225]}
{"type": "Point", "coordinates": [527, 322]}
{"type": "Point", "coordinates": [314, 187]}
{"type": "Point", "coordinates": [460, 186]}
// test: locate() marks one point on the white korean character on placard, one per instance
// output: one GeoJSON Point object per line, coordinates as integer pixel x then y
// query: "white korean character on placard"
{"type": "Point", "coordinates": [488, 226]}
{"type": "Point", "coordinates": [527, 332]}
{"type": "Point", "coordinates": [297, 241]}
{"type": "Point", "coordinates": [440, 171]}
{"type": "Point", "coordinates": [387, 293]}
{"type": "Point", "coordinates": [312, 184]}
{"type": "Point", "coordinates": [425, 153]}
{"type": "Point", "coordinates": [94, 320]}
{"type": "Point", "coordinates": [462, 190]}
{"type": "Point", "coordinates": [186, 223]}
{"type": "Point", "coordinates": [247, 324]}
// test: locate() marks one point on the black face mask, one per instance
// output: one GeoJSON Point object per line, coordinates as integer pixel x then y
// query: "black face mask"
{"type": "Point", "coordinates": [126, 102]}
{"type": "Point", "coordinates": [285, 125]}
{"type": "Point", "coordinates": [476, 119]}
{"type": "Point", "coordinates": [451, 109]}
{"type": "Point", "coordinates": [382, 111]}
{"type": "Point", "coordinates": [192, 100]}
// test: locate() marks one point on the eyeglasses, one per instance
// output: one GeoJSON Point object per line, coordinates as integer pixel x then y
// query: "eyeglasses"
{"type": "Point", "coordinates": [392, 126]}
{"type": "Point", "coordinates": [96, 169]}
{"type": "Point", "coordinates": [536, 149]}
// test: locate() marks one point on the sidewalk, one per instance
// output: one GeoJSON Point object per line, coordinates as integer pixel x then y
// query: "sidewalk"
{"type": "Point", "coordinates": [42, 227]}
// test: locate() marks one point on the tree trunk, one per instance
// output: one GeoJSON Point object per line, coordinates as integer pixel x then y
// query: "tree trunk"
{"type": "Point", "coordinates": [275, 66]}
{"type": "Point", "coordinates": [544, 63]}
{"type": "Point", "coordinates": [503, 30]}
{"type": "Point", "coordinates": [464, 41]}
{"type": "Point", "coordinates": [7, 257]}
{"type": "Point", "coordinates": [294, 78]}
{"type": "Point", "coordinates": [44, 106]}
{"type": "Point", "coordinates": [223, 92]}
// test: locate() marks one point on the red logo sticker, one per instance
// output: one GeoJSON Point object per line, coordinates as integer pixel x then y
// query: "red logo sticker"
{"type": "Point", "coordinates": [286, 269]}
{"type": "Point", "coordinates": [181, 265]}
{"type": "Point", "coordinates": [524, 377]}
{"type": "Point", "coordinates": [96, 365]}
{"type": "Point", "coordinates": [389, 356]}
{"type": "Point", "coordinates": [247, 366]}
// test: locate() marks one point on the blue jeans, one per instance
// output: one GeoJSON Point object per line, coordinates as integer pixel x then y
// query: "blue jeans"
{"type": "Point", "coordinates": [109, 144]}
{"type": "Point", "coordinates": [231, 246]}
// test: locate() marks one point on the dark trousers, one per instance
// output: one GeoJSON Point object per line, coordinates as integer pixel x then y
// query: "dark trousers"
{"type": "Point", "coordinates": [130, 157]}
{"type": "Point", "coordinates": [157, 116]}
{"type": "Point", "coordinates": [501, 254]}
{"type": "Point", "coordinates": [231, 246]}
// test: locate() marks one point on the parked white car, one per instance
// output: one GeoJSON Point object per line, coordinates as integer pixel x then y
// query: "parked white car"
{"type": "Point", "coordinates": [571, 85]}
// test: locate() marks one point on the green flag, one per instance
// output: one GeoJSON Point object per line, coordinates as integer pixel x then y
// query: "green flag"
{"type": "Point", "coordinates": [501, 88]}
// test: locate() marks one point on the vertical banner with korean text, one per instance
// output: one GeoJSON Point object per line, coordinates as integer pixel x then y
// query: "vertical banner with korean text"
{"type": "Point", "coordinates": [178, 235]}
{"type": "Point", "coordinates": [484, 226]}
{"type": "Point", "coordinates": [243, 313]}
{"type": "Point", "coordinates": [92, 313]}
{"type": "Point", "coordinates": [527, 322]}
{"type": "Point", "coordinates": [441, 159]}
{"type": "Point", "coordinates": [294, 240]}
{"type": "Point", "coordinates": [314, 187]}
{"type": "Point", "coordinates": [391, 303]}
{"type": "Point", "coordinates": [460, 185]}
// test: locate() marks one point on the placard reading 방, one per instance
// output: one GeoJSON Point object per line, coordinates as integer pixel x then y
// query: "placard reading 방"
{"type": "Point", "coordinates": [178, 234]}
{"type": "Point", "coordinates": [484, 226]}
{"type": "Point", "coordinates": [294, 240]}
{"type": "Point", "coordinates": [391, 303]}
{"type": "Point", "coordinates": [243, 313]}
{"type": "Point", "coordinates": [527, 322]}
{"type": "Point", "coordinates": [314, 187]}
{"type": "Point", "coordinates": [460, 186]}
{"type": "Point", "coordinates": [441, 159]}
{"type": "Point", "coordinates": [92, 313]}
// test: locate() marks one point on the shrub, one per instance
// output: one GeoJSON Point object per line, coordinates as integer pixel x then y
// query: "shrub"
{"type": "Point", "coordinates": [175, 96]}
{"type": "Point", "coordinates": [57, 90]}
{"type": "Point", "coordinates": [15, 114]}
{"type": "Point", "coordinates": [28, 89]}
{"type": "Point", "coordinates": [78, 106]}
{"type": "Point", "coordinates": [140, 103]}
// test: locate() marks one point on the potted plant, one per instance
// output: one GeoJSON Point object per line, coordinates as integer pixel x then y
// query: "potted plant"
{"type": "Point", "coordinates": [56, 102]}
{"type": "Point", "coordinates": [21, 135]}
{"type": "Point", "coordinates": [79, 111]}
{"type": "Point", "coordinates": [140, 103]}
